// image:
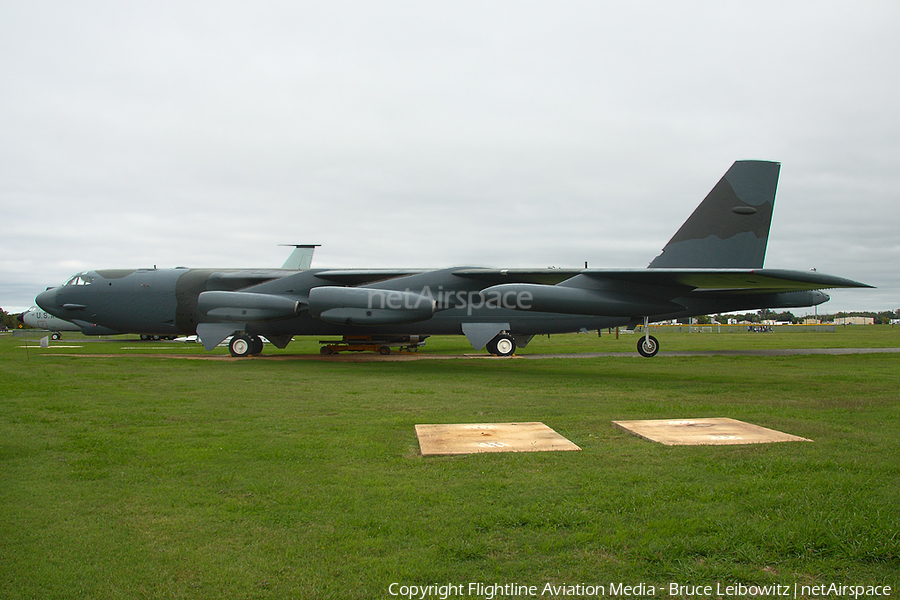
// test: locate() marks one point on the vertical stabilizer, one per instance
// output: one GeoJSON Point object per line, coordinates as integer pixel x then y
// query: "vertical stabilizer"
{"type": "Point", "coordinates": [301, 257]}
{"type": "Point", "coordinates": [730, 228]}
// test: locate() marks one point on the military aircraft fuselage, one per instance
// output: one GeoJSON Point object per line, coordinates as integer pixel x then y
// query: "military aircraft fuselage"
{"type": "Point", "coordinates": [171, 302]}
{"type": "Point", "coordinates": [167, 301]}
{"type": "Point", "coordinates": [134, 301]}
{"type": "Point", "coordinates": [713, 264]}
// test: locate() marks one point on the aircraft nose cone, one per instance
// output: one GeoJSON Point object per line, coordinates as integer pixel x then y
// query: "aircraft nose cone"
{"type": "Point", "coordinates": [47, 300]}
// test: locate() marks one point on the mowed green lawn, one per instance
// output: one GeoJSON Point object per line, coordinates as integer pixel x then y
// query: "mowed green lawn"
{"type": "Point", "coordinates": [135, 476]}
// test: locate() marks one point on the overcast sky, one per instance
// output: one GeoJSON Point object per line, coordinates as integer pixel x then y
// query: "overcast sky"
{"type": "Point", "coordinates": [438, 134]}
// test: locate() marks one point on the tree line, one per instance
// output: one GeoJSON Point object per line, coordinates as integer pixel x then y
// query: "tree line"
{"type": "Point", "coordinates": [7, 320]}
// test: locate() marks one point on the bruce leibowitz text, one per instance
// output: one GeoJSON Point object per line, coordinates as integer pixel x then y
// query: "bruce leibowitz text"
{"type": "Point", "coordinates": [492, 591]}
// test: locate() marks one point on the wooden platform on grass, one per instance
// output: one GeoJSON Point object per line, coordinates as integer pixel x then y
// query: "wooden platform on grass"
{"type": "Point", "coordinates": [705, 431]}
{"type": "Point", "coordinates": [474, 438]}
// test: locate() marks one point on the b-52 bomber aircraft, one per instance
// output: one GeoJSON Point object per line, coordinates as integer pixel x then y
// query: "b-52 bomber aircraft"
{"type": "Point", "coordinates": [713, 264]}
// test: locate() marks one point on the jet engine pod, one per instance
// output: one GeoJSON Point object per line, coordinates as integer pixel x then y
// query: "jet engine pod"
{"type": "Point", "coordinates": [247, 306]}
{"type": "Point", "coordinates": [795, 299]}
{"type": "Point", "coordinates": [575, 301]}
{"type": "Point", "coordinates": [367, 306]}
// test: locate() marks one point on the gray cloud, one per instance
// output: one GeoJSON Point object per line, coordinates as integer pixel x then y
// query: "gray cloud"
{"type": "Point", "coordinates": [411, 134]}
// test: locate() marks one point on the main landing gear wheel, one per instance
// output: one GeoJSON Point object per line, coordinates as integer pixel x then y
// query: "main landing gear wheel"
{"type": "Point", "coordinates": [502, 345]}
{"type": "Point", "coordinates": [239, 345]}
{"type": "Point", "coordinates": [243, 344]}
{"type": "Point", "coordinates": [648, 346]}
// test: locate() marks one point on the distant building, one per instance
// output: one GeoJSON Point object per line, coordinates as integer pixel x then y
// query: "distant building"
{"type": "Point", "coordinates": [854, 320]}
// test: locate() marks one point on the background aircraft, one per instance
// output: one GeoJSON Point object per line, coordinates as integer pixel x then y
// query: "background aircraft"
{"type": "Point", "coordinates": [41, 319]}
{"type": "Point", "coordinates": [713, 264]}
{"type": "Point", "coordinates": [301, 257]}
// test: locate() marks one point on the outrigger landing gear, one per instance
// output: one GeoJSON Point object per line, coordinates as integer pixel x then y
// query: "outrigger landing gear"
{"type": "Point", "coordinates": [648, 345]}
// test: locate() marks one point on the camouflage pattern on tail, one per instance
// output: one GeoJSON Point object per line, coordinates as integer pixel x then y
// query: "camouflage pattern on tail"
{"type": "Point", "coordinates": [730, 228]}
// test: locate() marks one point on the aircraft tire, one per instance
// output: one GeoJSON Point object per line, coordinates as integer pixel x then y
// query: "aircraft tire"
{"type": "Point", "coordinates": [384, 350]}
{"type": "Point", "coordinates": [240, 345]}
{"type": "Point", "coordinates": [503, 345]}
{"type": "Point", "coordinates": [648, 347]}
{"type": "Point", "coordinates": [491, 346]}
{"type": "Point", "coordinates": [256, 344]}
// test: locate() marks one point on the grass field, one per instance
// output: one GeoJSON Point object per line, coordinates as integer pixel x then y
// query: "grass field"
{"type": "Point", "coordinates": [133, 476]}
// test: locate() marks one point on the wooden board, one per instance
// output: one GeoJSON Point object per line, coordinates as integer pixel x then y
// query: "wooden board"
{"type": "Point", "coordinates": [705, 431]}
{"type": "Point", "coordinates": [474, 438]}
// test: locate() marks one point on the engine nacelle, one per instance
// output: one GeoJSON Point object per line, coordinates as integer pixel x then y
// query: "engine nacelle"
{"type": "Point", "coordinates": [247, 306]}
{"type": "Point", "coordinates": [794, 299]}
{"type": "Point", "coordinates": [574, 301]}
{"type": "Point", "coordinates": [367, 306]}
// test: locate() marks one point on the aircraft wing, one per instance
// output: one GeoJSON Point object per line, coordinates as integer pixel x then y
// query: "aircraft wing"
{"type": "Point", "coordinates": [238, 279]}
{"type": "Point", "coordinates": [728, 280]}
{"type": "Point", "coordinates": [725, 280]}
{"type": "Point", "coordinates": [363, 276]}
{"type": "Point", "coordinates": [549, 276]}
{"type": "Point", "coordinates": [654, 292]}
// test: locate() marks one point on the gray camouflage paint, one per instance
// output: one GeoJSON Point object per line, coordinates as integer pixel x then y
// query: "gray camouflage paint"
{"type": "Point", "coordinates": [712, 264]}
{"type": "Point", "coordinates": [730, 228]}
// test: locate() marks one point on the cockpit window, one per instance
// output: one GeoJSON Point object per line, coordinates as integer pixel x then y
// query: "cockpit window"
{"type": "Point", "coordinates": [80, 279]}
